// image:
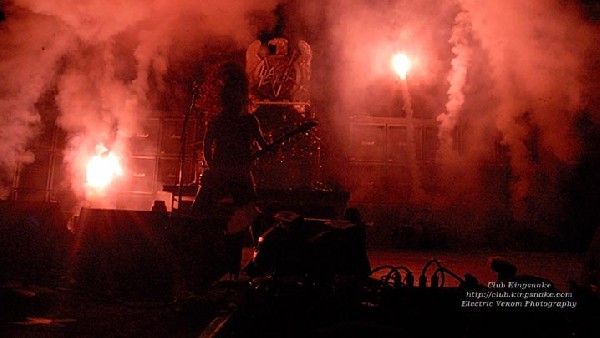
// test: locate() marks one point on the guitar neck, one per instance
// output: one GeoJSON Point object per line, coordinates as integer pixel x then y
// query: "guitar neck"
{"type": "Point", "coordinates": [281, 139]}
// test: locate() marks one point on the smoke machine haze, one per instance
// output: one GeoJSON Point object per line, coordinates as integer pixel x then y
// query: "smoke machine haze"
{"type": "Point", "coordinates": [106, 62]}
{"type": "Point", "coordinates": [507, 81]}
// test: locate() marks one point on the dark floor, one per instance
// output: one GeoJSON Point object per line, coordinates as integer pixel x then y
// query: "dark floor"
{"type": "Point", "coordinates": [58, 309]}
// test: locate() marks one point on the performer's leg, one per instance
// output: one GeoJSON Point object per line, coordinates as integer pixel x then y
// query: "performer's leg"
{"type": "Point", "coordinates": [245, 198]}
{"type": "Point", "coordinates": [210, 190]}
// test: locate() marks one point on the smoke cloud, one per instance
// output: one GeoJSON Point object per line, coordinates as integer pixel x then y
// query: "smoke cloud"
{"type": "Point", "coordinates": [31, 48]}
{"type": "Point", "coordinates": [505, 80]}
{"type": "Point", "coordinates": [109, 62]}
{"type": "Point", "coordinates": [536, 54]}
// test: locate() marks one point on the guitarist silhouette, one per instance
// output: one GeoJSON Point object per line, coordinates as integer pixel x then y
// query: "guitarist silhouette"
{"type": "Point", "coordinates": [229, 145]}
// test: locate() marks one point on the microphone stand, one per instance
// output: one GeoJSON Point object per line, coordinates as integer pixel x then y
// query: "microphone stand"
{"type": "Point", "coordinates": [183, 145]}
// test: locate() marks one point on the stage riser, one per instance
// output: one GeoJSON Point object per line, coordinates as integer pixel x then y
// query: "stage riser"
{"type": "Point", "coordinates": [144, 254]}
{"type": "Point", "coordinates": [309, 203]}
{"type": "Point", "coordinates": [122, 252]}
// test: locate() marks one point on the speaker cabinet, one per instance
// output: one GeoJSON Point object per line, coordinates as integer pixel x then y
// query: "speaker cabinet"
{"type": "Point", "coordinates": [367, 142]}
{"type": "Point", "coordinates": [144, 141]}
{"type": "Point", "coordinates": [170, 141]}
{"type": "Point", "coordinates": [168, 171]}
{"type": "Point", "coordinates": [397, 145]}
{"type": "Point", "coordinates": [141, 174]}
{"type": "Point", "coordinates": [380, 159]}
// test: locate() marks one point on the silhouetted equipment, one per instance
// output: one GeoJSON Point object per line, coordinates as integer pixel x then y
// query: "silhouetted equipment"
{"type": "Point", "coordinates": [124, 253]}
{"type": "Point", "coordinates": [34, 239]}
{"type": "Point", "coordinates": [506, 270]}
{"type": "Point", "coordinates": [392, 306]}
{"type": "Point", "coordinates": [321, 249]}
{"type": "Point", "coordinates": [159, 206]}
{"type": "Point", "coordinates": [139, 254]}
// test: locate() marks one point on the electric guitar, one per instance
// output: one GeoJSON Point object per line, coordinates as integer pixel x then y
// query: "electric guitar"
{"type": "Point", "coordinates": [281, 139]}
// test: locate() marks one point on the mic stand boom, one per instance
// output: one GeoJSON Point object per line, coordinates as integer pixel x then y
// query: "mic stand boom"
{"type": "Point", "coordinates": [183, 146]}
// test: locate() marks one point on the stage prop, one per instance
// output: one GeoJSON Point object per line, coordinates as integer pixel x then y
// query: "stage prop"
{"type": "Point", "coordinates": [279, 74]}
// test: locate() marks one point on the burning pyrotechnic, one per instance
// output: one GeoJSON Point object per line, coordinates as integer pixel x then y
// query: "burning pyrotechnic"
{"type": "Point", "coordinates": [401, 64]}
{"type": "Point", "coordinates": [102, 168]}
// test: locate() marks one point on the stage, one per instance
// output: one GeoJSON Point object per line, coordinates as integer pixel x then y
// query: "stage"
{"type": "Point", "coordinates": [58, 309]}
{"type": "Point", "coordinates": [150, 273]}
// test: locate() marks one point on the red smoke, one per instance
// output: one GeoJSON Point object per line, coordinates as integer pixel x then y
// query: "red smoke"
{"type": "Point", "coordinates": [510, 77]}
{"type": "Point", "coordinates": [108, 62]}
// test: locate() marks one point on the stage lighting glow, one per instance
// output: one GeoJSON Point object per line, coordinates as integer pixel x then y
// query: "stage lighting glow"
{"type": "Point", "coordinates": [401, 64]}
{"type": "Point", "coordinates": [102, 169]}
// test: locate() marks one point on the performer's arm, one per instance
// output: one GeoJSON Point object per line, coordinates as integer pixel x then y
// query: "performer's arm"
{"type": "Point", "coordinates": [208, 145]}
{"type": "Point", "coordinates": [258, 134]}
